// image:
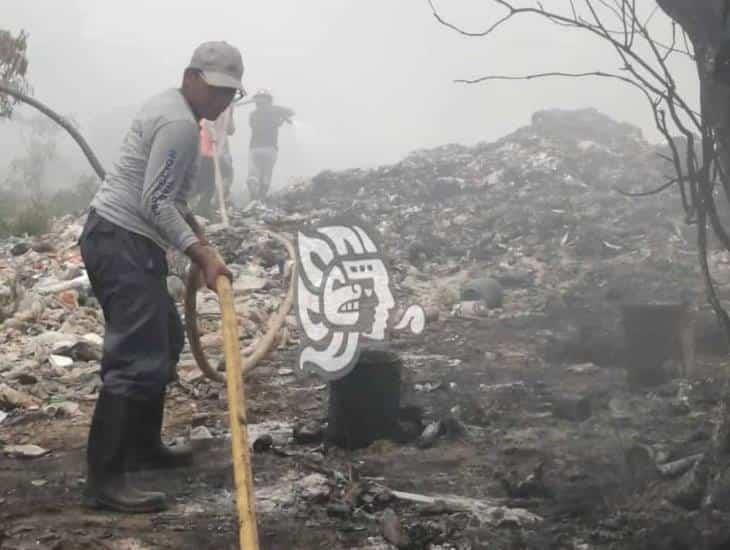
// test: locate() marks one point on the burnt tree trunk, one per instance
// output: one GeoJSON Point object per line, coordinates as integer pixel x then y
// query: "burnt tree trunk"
{"type": "Point", "coordinates": [365, 405]}
{"type": "Point", "coordinates": [8, 89]}
{"type": "Point", "coordinates": [703, 22]}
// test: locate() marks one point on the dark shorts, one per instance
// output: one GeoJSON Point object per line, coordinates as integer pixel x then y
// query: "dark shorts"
{"type": "Point", "coordinates": [144, 335]}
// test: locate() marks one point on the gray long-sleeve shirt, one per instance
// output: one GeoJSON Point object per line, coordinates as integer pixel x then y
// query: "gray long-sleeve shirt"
{"type": "Point", "coordinates": [148, 190]}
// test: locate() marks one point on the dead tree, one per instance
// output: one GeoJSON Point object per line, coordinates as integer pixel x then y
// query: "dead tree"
{"type": "Point", "coordinates": [15, 88]}
{"type": "Point", "coordinates": [13, 67]}
{"type": "Point", "coordinates": [697, 32]}
{"type": "Point", "coordinates": [7, 90]}
{"type": "Point", "coordinates": [644, 65]}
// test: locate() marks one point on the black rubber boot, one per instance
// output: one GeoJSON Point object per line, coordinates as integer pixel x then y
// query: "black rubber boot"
{"type": "Point", "coordinates": [106, 484]}
{"type": "Point", "coordinates": [147, 451]}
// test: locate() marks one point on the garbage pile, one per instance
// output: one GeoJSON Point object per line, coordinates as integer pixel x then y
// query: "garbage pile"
{"type": "Point", "coordinates": [525, 244]}
{"type": "Point", "coordinates": [538, 217]}
{"type": "Point", "coordinates": [530, 225]}
{"type": "Point", "coordinates": [51, 326]}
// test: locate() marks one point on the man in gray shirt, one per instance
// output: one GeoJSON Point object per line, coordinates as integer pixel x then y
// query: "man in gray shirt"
{"type": "Point", "coordinates": [265, 121]}
{"type": "Point", "coordinates": [138, 213]}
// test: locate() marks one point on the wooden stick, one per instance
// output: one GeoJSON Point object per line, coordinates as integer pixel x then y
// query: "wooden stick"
{"type": "Point", "coordinates": [212, 130]}
{"type": "Point", "coordinates": [219, 187]}
{"type": "Point", "coordinates": [245, 499]}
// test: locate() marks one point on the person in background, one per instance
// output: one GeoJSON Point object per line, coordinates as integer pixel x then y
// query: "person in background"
{"type": "Point", "coordinates": [265, 121]}
{"type": "Point", "coordinates": [214, 134]}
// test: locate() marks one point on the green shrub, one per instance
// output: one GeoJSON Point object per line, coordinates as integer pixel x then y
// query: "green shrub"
{"type": "Point", "coordinates": [22, 216]}
{"type": "Point", "coordinates": [32, 220]}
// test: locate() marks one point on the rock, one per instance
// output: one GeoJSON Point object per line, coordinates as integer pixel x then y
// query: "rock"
{"type": "Point", "coordinates": [212, 340]}
{"type": "Point", "coordinates": [25, 451]}
{"type": "Point", "coordinates": [20, 249]}
{"type": "Point", "coordinates": [200, 433]}
{"type": "Point", "coordinates": [61, 361]}
{"type": "Point", "coordinates": [515, 279]}
{"type": "Point", "coordinates": [430, 434]}
{"type": "Point", "coordinates": [8, 298]}
{"type": "Point", "coordinates": [485, 289]}
{"type": "Point", "coordinates": [584, 368]}
{"type": "Point", "coordinates": [641, 466]}
{"type": "Point", "coordinates": [200, 438]}
{"type": "Point", "coordinates": [53, 340]}
{"type": "Point", "coordinates": [65, 409]}
{"type": "Point", "coordinates": [675, 534]}
{"type": "Point", "coordinates": [189, 372]}
{"type": "Point", "coordinates": [314, 487]}
{"type": "Point", "coordinates": [338, 510]}
{"type": "Point", "coordinates": [43, 247]}
{"type": "Point", "coordinates": [571, 407]}
{"type": "Point", "coordinates": [72, 272]}
{"type": "Point", "coordinates": [30, 308]}
{"type": "Point", "coordinates": [692, 486]}
{"type": "Point", "coordinates": [308, 432]}
{"type": "Point", "coordinates": [199, 419]}
{"type": "Point", "coordinates": [263, 443]}
{"type": "Point", "coordinates": [94, 339]}
{"type": "Point", "coordinates": [69, 298]}
{"type": "Point", "coordinates": [23, 378]}
{"type": "Point", "coordinates": [84, 351]}
{"type": "Point", "coordinates": [383, 496]}
{"type": "Point", "coordinates": [719, 494]}
{"type": "Point", "coordinates": [533, 486]}
{"type": "Point", "coordinates": [392, 529]}
{"type": "Point", "coordinates": [176, 288]}
{"type": "Point", "coordinates": [245, 283]}
{"type": "Point", "coordinates": [128, 544]}
{"type": "Point", "coordinates": [11, 399]}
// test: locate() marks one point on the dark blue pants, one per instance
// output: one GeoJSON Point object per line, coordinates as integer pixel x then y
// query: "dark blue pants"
{"type": "Point", "coordinates": [143, 333]}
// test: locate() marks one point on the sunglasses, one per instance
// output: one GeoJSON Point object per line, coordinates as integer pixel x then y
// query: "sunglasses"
{"type": "Point", "coordinates": [238, 95]}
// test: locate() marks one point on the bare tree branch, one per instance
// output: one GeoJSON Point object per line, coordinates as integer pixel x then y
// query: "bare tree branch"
{"type": "Point", "coordinates": [648, 193]}
{"type": "Point", "coordinates": [61, 121]}
{"type": "Point", "coordinates": [704, 161]}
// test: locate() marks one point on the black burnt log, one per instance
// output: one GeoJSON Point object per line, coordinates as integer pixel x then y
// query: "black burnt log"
{"type": "Point", "coordinates": [364, 406]}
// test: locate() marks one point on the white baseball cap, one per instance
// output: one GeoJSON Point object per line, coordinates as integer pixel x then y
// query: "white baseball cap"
{"type": "Point", "coordinates": [220, 63]}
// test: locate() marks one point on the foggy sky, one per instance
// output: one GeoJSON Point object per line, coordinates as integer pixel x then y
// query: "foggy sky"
{"type": "Point", "coordinates": [370, 80]}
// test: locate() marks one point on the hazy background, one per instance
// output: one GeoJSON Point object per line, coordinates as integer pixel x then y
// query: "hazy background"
{"type": "Point", "coordinates": [369, 80]}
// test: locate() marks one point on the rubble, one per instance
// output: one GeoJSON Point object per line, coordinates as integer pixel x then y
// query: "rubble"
{"type": "Point", "coordinates": [25, 451]}
{"type": "Point", "coordinates": [11, 398]}
{"type": "Point", "coordinates": [571, 407]}
{"type": "Point", "coordinates": [308, 432]}
{"type": "Point", "coordinates": [392, 530]}
{"type": "Point", "coordinates": [522, 253]}
{"type": "Point", "coordinates": [523, 210]}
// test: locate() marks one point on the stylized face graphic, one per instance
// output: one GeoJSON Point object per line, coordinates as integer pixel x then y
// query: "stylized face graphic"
{"type": "Point", "coordinates": [343, 294]}
{"type": "Point", "coordinates": [357, 296]}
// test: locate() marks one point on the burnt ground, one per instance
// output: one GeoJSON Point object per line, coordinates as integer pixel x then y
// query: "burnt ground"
{"type": "Point", "coordinates": [590, 496]}
{"type": "Point", "coordinates": [531, 427]}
